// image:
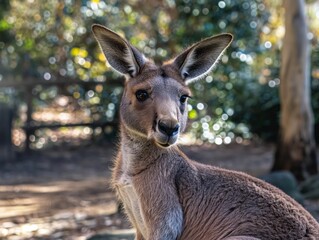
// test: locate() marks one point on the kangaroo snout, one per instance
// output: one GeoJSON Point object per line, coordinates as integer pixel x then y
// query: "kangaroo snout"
{"type": "Point", "coordinates": [170, 128]}
{"type": "Point", "coordinates": [167, 131]}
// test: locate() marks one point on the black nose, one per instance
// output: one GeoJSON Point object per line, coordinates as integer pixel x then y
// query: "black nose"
{"type": "Point", "coordinates": [168, 130]}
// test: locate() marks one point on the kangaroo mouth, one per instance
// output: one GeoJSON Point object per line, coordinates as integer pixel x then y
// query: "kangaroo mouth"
{"type": "Point", "coordinates": [165, 141]}
{"type": "Point", "coordinates": [164, 134]}
{"type": "Point", "coordinates": [164, 145]}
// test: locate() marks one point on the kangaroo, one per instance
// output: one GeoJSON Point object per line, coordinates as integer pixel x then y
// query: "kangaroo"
{"type": "Point", "coordinates": [167, 196]}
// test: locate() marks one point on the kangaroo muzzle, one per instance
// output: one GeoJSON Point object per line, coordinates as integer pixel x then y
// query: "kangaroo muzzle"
{"type": "Point", "coordinates": [167, 131]}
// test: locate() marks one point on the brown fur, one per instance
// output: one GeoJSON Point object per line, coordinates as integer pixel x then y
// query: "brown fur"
{"type": "Point", "coordinates": [168, 196]}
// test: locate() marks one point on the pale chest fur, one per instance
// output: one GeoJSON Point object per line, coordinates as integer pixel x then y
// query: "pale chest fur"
{"type": "Point", "coordinates": [139, 191]}
{"type": "Point", "coordinates": [131, 201]}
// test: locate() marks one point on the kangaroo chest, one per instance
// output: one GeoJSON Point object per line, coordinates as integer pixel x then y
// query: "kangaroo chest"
{"type": "Point", "coordinates": [131, 202]}
{"type": "Point", "coordinates": [150, 190]}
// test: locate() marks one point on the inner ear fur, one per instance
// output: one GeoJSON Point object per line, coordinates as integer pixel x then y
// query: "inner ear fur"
{"type": "Point", "coordinates": [199, 59]}
{"type": "Point", "coordinates": [121, 55]}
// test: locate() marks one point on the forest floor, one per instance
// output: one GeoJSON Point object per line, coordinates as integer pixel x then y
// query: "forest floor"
{"type": "Point", "coordinates": [64, 193]}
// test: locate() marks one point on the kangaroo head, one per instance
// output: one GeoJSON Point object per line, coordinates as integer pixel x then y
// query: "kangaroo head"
{"type": "Point", "coordinates": [154, 102]}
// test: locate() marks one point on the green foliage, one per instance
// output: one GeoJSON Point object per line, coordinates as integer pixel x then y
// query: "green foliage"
{"type": "Point", "coordinates": [234, 98]}
{"type": "Point", "coordinates": [52, 39]}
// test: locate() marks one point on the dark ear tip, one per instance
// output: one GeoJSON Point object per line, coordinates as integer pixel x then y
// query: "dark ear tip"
{"type": "Point", "coordinates": [95, 27]}
{"type": "Point", "coordinates": [229, 36]}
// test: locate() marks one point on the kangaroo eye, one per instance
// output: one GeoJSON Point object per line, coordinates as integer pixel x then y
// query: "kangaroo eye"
{"type": "Point", "coordinates": [141, 95]}
{"type": "Point", "coordinates": [183, 98]}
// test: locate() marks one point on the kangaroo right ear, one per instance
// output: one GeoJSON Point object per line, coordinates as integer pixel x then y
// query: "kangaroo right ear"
{"type": "Point", "coordinates": [198, 60]}
{"type": "Point", "coordinates": [122, 57]}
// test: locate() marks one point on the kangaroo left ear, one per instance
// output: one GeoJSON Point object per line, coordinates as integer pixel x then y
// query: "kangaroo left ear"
{"type": "Point", "coordinates": [198, 60]}
{"type": "Point", "coordinates": [122, 57]}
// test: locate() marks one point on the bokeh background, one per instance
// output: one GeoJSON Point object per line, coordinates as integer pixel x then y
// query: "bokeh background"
{"type": "Point", "coordinates": [59, 98]}
{"type": "Point", "coordinates": [51, 64]}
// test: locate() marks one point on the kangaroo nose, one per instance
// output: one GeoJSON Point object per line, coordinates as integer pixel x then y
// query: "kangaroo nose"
{"type": "Point", "coordinates": [167, 129]}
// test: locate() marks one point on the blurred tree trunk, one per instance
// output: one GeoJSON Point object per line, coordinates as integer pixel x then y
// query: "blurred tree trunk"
{"type": "Point", "coordinates": [296, 149]}
{"type": "Point", "coordinates": [6, 151]}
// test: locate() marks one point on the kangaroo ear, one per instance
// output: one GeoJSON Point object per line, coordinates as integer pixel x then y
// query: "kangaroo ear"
{"type": "Point", "coordinates": [198, 60]}
{"type": "Point", "coordinates": [122, 57]}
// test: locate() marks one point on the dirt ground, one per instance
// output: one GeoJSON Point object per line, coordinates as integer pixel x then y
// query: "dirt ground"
{"type": "Point", "coordinates": [64, 193]}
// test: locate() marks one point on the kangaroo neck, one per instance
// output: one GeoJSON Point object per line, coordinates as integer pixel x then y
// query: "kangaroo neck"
{"type": "Point", "coordinates": [138, 153]}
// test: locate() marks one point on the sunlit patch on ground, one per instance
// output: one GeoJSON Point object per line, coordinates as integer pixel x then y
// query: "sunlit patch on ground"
{"type": "Point", "coordinates": [58, 194]}
{"type": "Point", "coordinates": [59, 210]}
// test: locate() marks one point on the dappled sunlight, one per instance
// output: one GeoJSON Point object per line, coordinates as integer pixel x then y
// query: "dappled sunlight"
{"type": "Point", "coordinates": [48, 210]}
{"type": "Point", "coordinates": [51, 115]}
{"type": "Point", "coordinates": [31, 188]}
{"type": "Point", "coordinates": [46, 137]}
{"type": "Point", "coordinates": [55, 194]}
{"type": "Point", "coordinates": [17, 210]}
